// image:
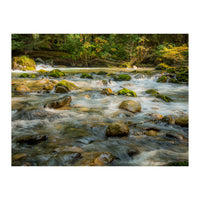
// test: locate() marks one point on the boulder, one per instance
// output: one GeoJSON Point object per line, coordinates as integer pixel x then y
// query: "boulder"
{"type": "Point", "coordinates": [117, 129]}
{"type": "Point", "coordinates": [132, 152]}
{"type": "Point", "coordinates": [23, 63]}
{"type": "Point", "coordinates": [162, 79]}
{"type": "Point", "coordinates": [182, 121]}
{"type": "Point", "coordinates": [62, 89]}
{"type": "Point", "coordinates": [131, 106]}
{"type": "Point", "coordinates": [48, 86]}
{"type": "Point", "coordinates": [122, 77]}
{"type": "Point", "coordinates": [152, 92]}
{"type": "Point", "coordinates": [127, 92]}
{"type": "Point", "coordinates": [67, 84]}
{"type": "Point", "coordinates": [151, 133]}
{"type": "Point", "coordinates": [56, 73]}
{"type": "Point", "coordinates": [85, 75]}
{"type": "Point", "coordinates": [107, 91]}
{"type": "Point", "coordinates": [64, 101]}
{"type": "Point", "coordinates": [175, 136]}
{"type": "Point", "coordinates": [163, 97]}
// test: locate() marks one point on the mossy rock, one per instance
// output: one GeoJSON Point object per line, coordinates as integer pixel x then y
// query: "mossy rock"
{"type": "Point", "coordinates": [171, 70]}
{"type": "Point", "coordinates": [182, 76]}
{"type": "Point", "coordinates": [173, 80]}
{"type": "Point", "coordinates": [85, 75]}
{"type": "Point", "coordinates": [162, 79]}
{"type": "Point", "coordinates": [152, 92]}
{"type": "Point", "coordinates": [161, 66]}
{"type": "Point", "coordinates": [56, 73]}
{"type": "Point", "coordinates": [32, 76]}
{"type": "Point", "coordinates": [101, 73]}
{"type": "Point", "coordinates": [180, 163]}
{"type": "Point", "coordinates": [67, 84]}
{"type": "Point", "coordinates": [122, 77]}
{"type": "Point", "coordinates": [62, 89]}
{"type": "Point", "coordinates": [127, 92]}
{"type": "Point", "coordinates": [24, 75]}
{"type": "Point", "coordinates": [182, 69]}
{"type": "Point", "coordinates": [23, 63]}
{"type": "Point", "coordinates": [163, 97]}
{"type": "Point", "coordinates": [42, 71]}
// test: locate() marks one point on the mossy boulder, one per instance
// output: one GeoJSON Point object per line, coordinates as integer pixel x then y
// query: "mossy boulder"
{"type": "Point", "coordinates": [161, 66]}
{"type": "Point", "coordinates": [101, 73]}
{"type": "Point", "coordinates": [67, 84]}
{"type": "Point", "coordinates": [86, 75]}
{"type": "Point", "coordinates": [127, 92]}
{"type": "Point", "coordinates": [182, 121]}
{"type": "Point", "coordinates": [131, 106]}
{"type": "Point", "coordinates": [32, 76]}
{"type": "Point", "coordinates": [42, 71]}
{"type": "Point", "coordinates": [62, 89]}
{"type": "Point", "coordinates": [24, 75]}
{"type": "Point", "coordinates": [182, 76]}
{"type": "Point", "coordinates": [171, 70]}
{"type": "Point", "coordinates": [23, 63]}
{"type": "Point", "coordinates": [152, 92]}
{"type": "Point", "coordinates": [107, 91]}
{"type": "Point", "coordinates": [162, 79]}
{"type": "Point", "coordinates": [117, 129]}
{"type": "Point", "coordinates": [173, 80]}
{"type": "Point", "coordinates": [58, 103]}
{"type": "Point", "coordinates": [56, 73]}
{"type": "Point", "coordinates": [122, 77]}
{"type": "Point", "coordinates": [22, 88]}
{"type": "Point", "coordinates": [163, 97]}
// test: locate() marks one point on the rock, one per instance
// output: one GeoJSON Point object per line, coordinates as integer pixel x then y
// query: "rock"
{"type": "Point", "coordinates": [162, 79]}
{"type": "Point", "coordinates": [175, 136]}
{"type": "Point", "coordinates": [32, 76]}
{"type": "Point", "coordinates": [128, 85]}
{"type": "Point", "coordinates": [152, 92]}
{"type": "Point", "coordinates": [182, 121]}
{"type": "Point", "coordinates": [122, 77]}
{"type": "Point", "coordinates": [18, 156]}
{"type": "Point", "coordinates": [107, 91]}
{"type": "Point", "coordinates": [182, 76]}
{"type": "Point", "coordinates": [31, 139]}
{"type": "Point", "coordinates": [117, 129]}
{"type": "Point", "coordinates": [23, 63]}
{"type": "Point", "coordinates": [66, 100]}
{"type": "Point", "coordinates": [161, 66]}
{"type": "Point", "coordinates": [84, 109]}
{"type": "Point", "coordinates": [105, 82]}
{"type": "Point", "coordinates": [56, 73]}
{"type": "Point", "coordinates": [24, 75]}
{"type": "Point", "coordinates": [151, 133]}
{"type": "Point", "coordinates": [62, 89]}
{"type": "Point", "coordinates": [179, 163]}
{"type": "Point", "coordinates": [48, 86]}
{"type": "Point", "coordinates": [156, 116]}
{"type": "Point", "coordinates": [132, 152]}
{"type": "Point", "coordinates": [127, 92]}
{"type": "Point", "coordinates": [67, 84]}
{"type": "Point", "coordinates": [42, 71]}
{"type": "Point", "coordinates": [43, 81]}
{"type": "Point", "coordinates": [22, 88]}
{"type": "Point", "coordinates": [163, 97]}
{"type": "Point", "coordinates": [101, 73]}
{"type": "Point", "coordinates": [168, 119]}
{"type": "Point", "coordinates": [104, 159]}
{"type": "Point", "coordinates": [131, 106]}
{"type": "Point", "coordinates": [85, 75]}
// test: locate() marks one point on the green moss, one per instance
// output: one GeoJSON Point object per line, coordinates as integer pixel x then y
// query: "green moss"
{"type": "Point", "coordinates": [42, 71]}
{"type": "Point", "coordinates": [101, 73]}
{"type": "Point", "coordinates": [161, 66]}
{"type": "Point", "coordinates": [171, 70]}
{"type": "Point", "coordinates": [163, 97]}
{"type": "Point", "coordinates": [67, 84]}
{"type": "Point", "coordinates": [127, 92]}
{"type": "Point", "coordinates": [32, 76]}
{"type": "Point", "coordinates": [152, 92]}
{"type": "Point", "coordinates": [162, 79]}
{"type": "Point", "coordinates": [25, 62]}
{"type": "Point", "coordinates": [56, 73]}
{"type": "Point", "coordinates": [85, 75]}
{"type": "Point", "coordinates": [122, 77]}
{"type": "Point", "coordinates": [24, 75]}
{"type": "Point", "coordinates": [173, 80]}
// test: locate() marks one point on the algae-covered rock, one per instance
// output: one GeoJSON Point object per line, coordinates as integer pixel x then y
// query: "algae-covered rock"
{"type": "Point", "coordinates": [66, 100]}
{"type": "Point", "coordinates": [32, 76]}
{"type": "Point", "coordinates": [67, 84]}
{"type": "Point", "coordinates": [161, 66]}
{"type": "Point", "coordinates": [163, 97]}
{"type": "Point", "coordinates": [131, 106]}
{"type": "Point", "coordinates": [182, 76]}
{"type": "Point", "coordinates": [122, 77]}
{"type": "Point", "coordinates": [56, 73]}
{"type": "Point", "coordinates": [117, 129]}
{"type": "Point", "coordinates": [42, 71]}
{"type": "Point", "coordinates": [162, 79]}
{"type": "Point", "coordinates": [24, 75]}
{"type": "Point", "coordinates": [85, 75]}
{"type": "Point", "coordinates": [127, 92]}
{"type": "Point", "coordinates": [22, 88]}
{"type": "Point", "coordinates": [107, 91]}
{"type": "Point", "coordinates": [182, 121]}
{"type": "Point", "coordinates": [173, 80]}
{"type": "Point", "coordinates": [152, 92]}
{"type": "Point", "coordinates": [171, 70]}
{"type": "Point", "coordinates": [23, 63]}
{"type": "Point", "coordinates": [101, 73]}
{"type": "Point", "coordinates": [62, 89]}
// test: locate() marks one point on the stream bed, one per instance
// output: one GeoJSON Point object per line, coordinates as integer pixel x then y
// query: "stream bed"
{"type": "Point", "coordinates": [75, 136]}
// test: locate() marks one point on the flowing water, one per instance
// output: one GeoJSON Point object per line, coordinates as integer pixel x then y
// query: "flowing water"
{"type": "Point", "coordinates": [77, 134]}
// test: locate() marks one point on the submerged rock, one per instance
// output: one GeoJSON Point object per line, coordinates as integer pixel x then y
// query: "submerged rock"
{"type": "Point", "coordinates": [62, 89]}
{"type": "Point", "coordinates": [132, 152]}
{"type": "Point", "coordinates": [18, 156]}
{"type": "Point", "coordinates": [151, 133]}
{"type": "Point", "coordinates": [131, 106]}
{"type": "Point", "coordinates": [175, 136]}
{"type": "Point", "coordinates": [168, 119]}
{"type": "Point", "coordinates": [182, 121]}
{"type": "Point", "coordinates": [101, 73]}
{"type": "Point", "coordinates": [31, 139]}
{"type": "Point", "coordinates": [164, 98]}
{"type": "Point", "coordinates": [117, 129]}
{"type": "Point", "coordinates": [127, 92]}
{"type": "Point", "coordinates": [107, 91]}
{"type": "Point", "coordinates": [64, 101]}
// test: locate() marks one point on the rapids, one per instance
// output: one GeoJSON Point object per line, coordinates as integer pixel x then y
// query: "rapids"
{"type": "Point", "coordinates": [77, 133]}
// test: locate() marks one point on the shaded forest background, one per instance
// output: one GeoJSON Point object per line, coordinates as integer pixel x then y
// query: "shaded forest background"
{"type": "Point", "coordinates": [105, 50]}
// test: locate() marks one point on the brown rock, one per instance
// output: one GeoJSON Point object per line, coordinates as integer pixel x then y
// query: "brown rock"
{"type": "Point", "coordinates": [117, 129]}
{"type": "Point", "coordinates": [22, 88]}
{"type": "Point", "coordinates": [62, 89]}
{"type": "Point", "coordinates": [131, 106]}
{"type": "Point", "coordinates": [182, 121]}
{"type": "Point", "coordinates": [107, 91]}
{"type": "Point", "coordinates": [18, 156]}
